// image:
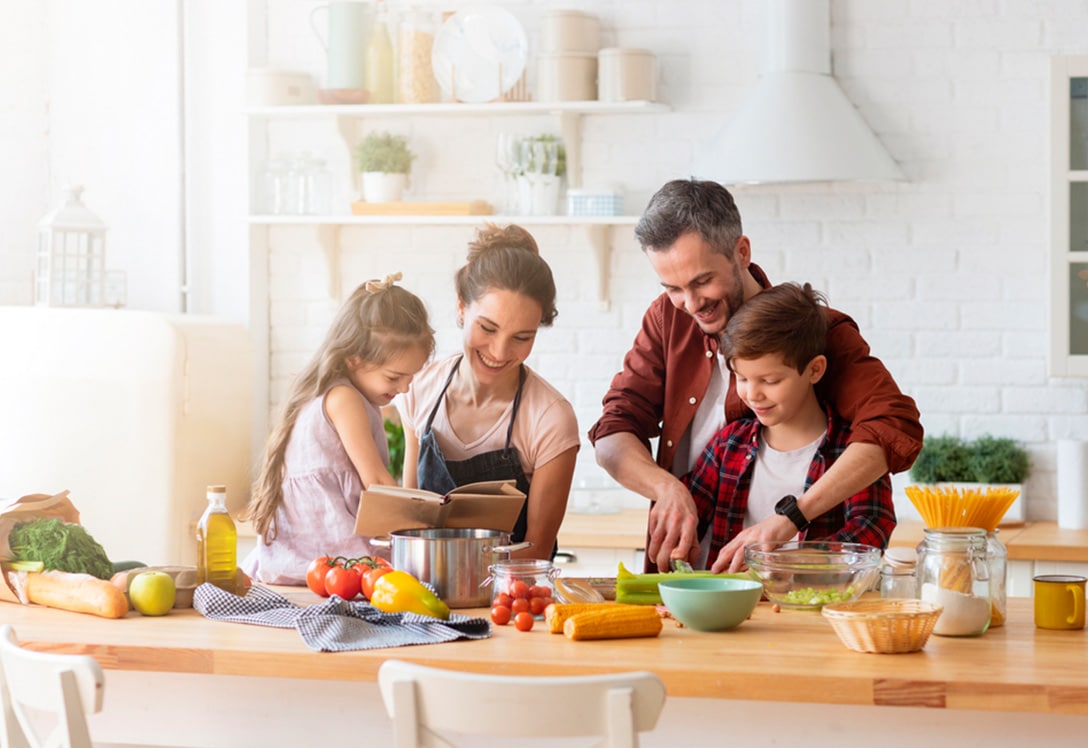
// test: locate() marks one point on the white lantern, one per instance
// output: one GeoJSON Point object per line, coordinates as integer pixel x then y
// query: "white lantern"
{"type": "Point", "coordinates": [71, 255]}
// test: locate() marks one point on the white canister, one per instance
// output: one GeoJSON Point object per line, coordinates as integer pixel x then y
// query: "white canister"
{"type": "Point", "coordinates": [566, 76]}
{"type": "Point", "coordinates": [269, 87]}
{"type": "Point", "coordinates": [627, 74]}
{"type": "Point", "coordinates": [570, 31]}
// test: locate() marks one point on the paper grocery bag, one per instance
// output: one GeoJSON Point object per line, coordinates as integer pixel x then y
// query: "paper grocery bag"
{"type": "Point", "coordinates": [31, 506]}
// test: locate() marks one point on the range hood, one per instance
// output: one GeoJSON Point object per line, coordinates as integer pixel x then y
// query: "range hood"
{"type": "Point", "coordinates": [797, 125]}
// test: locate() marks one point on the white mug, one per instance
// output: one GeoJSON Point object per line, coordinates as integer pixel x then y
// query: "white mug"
{"type": "Point", "coordinates": [345, 44]}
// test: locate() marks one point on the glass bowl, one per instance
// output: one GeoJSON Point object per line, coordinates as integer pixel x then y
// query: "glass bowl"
{"type": "Point", "coordinates": [813, 573]}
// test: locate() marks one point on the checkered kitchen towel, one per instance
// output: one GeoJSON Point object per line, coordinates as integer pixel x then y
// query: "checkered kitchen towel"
{"type": "Point", "coordinates": [335, 624]}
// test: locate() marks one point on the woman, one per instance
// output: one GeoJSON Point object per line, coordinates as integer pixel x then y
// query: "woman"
{"type": "Point", "coordinates": [482, 414]}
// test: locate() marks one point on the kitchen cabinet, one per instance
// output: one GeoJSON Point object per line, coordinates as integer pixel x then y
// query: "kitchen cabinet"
{"type": "Point", "coordinates": [1069, 216]}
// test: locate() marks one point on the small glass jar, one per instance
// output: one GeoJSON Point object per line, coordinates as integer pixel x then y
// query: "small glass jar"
{"type": "Point", "coordinates": [954, 572]}
{"type": "Point", "coordinates": [528, 580]}
{"type": "Point", "coordinates": [417, 84]}
{"type": "Point", "coordinates": [312, 186]}
{"type": "Point", "coordinates": [278, 187]}
{"type": "Point", "coordinates": [897, 577]}
{"type": "Point", "coordinates": [998, 556]}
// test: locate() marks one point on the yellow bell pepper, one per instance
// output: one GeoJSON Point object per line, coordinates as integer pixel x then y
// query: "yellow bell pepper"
{"type": "Point", "coordinates": [400, 592]}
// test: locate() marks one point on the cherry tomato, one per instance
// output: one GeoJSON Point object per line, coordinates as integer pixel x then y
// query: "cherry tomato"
{"type": "Point", "coordinates": [539, 590]}
{"type": "Point", "coordinates": [500, 615]}
{"type": "Point", "coordinates": [520, 605]}
{"type": "Point", "coordinates": [518, 588]}
{"type": "Point", "coordinates": [342, 581]}
{"type": "Point", "coordinates": [315, 574]}
{"type": "Point", "coordinates": [538, 604]}
{"type": "Point", "coordinates": [523, 621]}
{"type": "Point", "coordinates": [503, 599]}
{"type": "Point", "coordinates": [369, 577]}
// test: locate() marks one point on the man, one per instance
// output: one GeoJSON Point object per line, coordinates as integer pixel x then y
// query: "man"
{"type": "Point", "coordinates": [674, 381]}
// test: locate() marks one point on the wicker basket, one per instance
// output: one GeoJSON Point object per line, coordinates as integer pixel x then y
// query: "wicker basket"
{"type": "Point", "coordinates": [885, 626]}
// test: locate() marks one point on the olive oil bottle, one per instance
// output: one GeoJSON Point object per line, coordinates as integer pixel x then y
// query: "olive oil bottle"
{"type": "Point", "coordinates": [217, 543]}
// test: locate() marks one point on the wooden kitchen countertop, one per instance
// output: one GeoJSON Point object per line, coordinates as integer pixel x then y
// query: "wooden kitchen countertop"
{"type": "Point", "coordinates": [623, 529]}
{"type": "Point", "coordinates": [787, 656]}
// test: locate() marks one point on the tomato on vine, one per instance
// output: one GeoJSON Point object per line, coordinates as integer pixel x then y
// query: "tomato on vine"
{"type": "Point", "coordinates": [315, 574]}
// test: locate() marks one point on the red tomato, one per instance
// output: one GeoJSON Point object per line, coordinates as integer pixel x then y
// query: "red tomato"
{"type": "Point", "coordinates": [538, 604]}
{"type": "Point", "coordinates": [342, 581]}
{"type": "Point", "coordinates": [520, 605]}
{"type": "Point", "coordinates": [500, 614]}
{"type": "Point", "coordinates": [518, 588]}
{"type": "Point", "coordinates": [369, 576]}
{"type": "Point", "coordinates": [539, 590]}
{"type": "Point", "coordinates": [503, 599]}
{"type": "Point", "coordinates": [524, 621]}
{"type": "Point", "coordinates": [315, 574]}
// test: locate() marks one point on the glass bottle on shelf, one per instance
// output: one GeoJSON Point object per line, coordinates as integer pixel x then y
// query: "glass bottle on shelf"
{"type": "Point", "coordinates": [379, 60]}
{"type": "Point", "coordinates": [217, 543]}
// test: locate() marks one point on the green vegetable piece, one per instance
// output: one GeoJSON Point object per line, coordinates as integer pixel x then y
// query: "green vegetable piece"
{"type": "Point", "coordinates": [642, 589]}
{"type": "Point", "coordinates": [59, 545]}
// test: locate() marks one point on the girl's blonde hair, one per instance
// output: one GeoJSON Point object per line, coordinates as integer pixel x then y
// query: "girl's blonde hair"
{"type": "Point", "coordinates": [377, 323]}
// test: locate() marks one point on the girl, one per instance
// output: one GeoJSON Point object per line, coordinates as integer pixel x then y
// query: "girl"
{"type": "Point", "coordinates": [482, 414]}
{"type": "Point", "coordinates": [330, 443]}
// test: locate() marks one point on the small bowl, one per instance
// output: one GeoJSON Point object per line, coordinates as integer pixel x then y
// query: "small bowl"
{"type": "Point", "coordinates": [812, 573]}
{"type": "Point", "coordinates": [710, 603]}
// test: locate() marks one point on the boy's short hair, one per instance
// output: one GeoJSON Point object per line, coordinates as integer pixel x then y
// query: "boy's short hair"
{"type": "Point", "coordinates": [789, 320]}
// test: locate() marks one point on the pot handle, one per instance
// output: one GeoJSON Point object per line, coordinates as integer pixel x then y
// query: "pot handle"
{"type": "Point", "coordinates": [508, 548]}
{"type": "Point", "coordinates": [382, 542]}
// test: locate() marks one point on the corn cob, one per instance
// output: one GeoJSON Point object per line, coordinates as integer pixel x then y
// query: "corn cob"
{"type": "Point", "coordinates": [556, 614]}
{"type": "Point", "coordinates": [613, 622]}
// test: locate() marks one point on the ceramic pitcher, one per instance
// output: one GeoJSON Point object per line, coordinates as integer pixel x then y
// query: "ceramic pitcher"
{"type": "Point", "coordinates": [344, 42]}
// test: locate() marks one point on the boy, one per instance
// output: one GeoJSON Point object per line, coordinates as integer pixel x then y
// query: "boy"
{"type": "Point", "coordinates": [755, 467]}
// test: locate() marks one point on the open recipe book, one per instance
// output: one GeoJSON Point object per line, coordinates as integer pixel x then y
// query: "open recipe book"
{"type": "Point", "coordinates": [488, 504]}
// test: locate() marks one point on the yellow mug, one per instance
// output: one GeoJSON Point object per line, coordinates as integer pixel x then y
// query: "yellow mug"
{"type": "Point", "coordinates": [1059, 601]}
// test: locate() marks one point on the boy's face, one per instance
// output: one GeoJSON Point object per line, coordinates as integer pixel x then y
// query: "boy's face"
{"type": "Point", "coordinates": [775, 391]}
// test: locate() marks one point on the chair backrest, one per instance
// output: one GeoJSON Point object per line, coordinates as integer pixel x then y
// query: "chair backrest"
{"type": "Point", "coordinates": [67, 686]}
{"type": "Point", "coordinates": [423, 699]}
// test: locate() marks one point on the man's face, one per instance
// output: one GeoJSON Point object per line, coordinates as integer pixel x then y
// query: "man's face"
{"type": "Point", "coordinates": [704, 283]}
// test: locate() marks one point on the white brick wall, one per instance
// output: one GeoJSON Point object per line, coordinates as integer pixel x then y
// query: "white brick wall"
{"type": "Point", "coordinates": [946, 273]}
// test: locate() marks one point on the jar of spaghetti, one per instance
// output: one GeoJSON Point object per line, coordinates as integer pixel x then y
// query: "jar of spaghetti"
{"type": "Point", "coordinates": [954, 572]}
{"type": "Point", "coordinates": [998, 555]}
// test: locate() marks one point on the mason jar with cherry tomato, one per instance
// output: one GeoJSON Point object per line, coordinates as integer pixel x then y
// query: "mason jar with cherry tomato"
{"type": "Point", "coordinates": [525, 585]}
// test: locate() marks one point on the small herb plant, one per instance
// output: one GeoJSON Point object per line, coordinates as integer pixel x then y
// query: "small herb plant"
{"type": "Point", "coordinates": [529, 165]}
{"type": "Point", "coordinates": [987, 459]}
{"type": "Point", "coordinates": [384, 152]}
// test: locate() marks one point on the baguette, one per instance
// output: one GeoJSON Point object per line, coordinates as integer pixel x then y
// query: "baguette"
{"type": "Point", "coordinates": [80, 593]}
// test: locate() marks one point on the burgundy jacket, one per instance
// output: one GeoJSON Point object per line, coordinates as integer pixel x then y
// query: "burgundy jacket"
{"type": "Point", "coordinates": [666, 372]}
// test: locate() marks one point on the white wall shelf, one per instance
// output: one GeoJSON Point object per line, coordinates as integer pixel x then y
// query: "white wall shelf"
{"type": "Point", "coordinates": [486, 109]}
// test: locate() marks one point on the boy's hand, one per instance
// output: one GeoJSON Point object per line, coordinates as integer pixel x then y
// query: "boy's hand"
{"type": "Point", "coordinates": [731, 556]}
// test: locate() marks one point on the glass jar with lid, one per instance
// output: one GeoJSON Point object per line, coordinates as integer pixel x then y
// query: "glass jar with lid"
{"type": "Point", "coordinates": [954, 572]}
{"type": "Point", "coordinates": [417, 84]}
{"type": "Point", "coordinates": [998, 556]}
{"type": "Point", "coordinates": [897, 577]}
{"type": "Point", "coordinates": [523, 584]}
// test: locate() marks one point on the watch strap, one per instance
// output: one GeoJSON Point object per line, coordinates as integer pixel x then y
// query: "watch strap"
{"type": "Point", "coordinates": [787, 506]}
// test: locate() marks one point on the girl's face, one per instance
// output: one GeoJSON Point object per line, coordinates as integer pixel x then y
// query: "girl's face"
{"type": "Point", "coordinates": [500, 328]}
{"type": "Point", "coordinates": [380, 384]}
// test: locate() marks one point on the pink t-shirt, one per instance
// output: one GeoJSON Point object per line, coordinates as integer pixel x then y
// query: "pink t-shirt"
{"type": "Point", "coordinates": [545, 426]}
{"type": "Point", "coordinates": [321, 491]}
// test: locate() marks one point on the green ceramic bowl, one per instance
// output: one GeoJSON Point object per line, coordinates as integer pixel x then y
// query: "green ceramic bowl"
{"type": "Point", "coordinates": [711, 603]}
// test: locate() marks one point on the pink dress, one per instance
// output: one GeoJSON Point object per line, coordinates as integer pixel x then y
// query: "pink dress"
{"type": "Point", "coordinates": [321, 492]}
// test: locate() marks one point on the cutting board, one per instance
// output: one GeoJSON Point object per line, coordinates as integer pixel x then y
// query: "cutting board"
{"type": "Point", "coordinates": [470, 208]}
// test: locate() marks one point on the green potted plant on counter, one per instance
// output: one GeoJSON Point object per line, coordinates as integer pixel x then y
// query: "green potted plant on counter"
{"type": "Point", "coordinates": [384, 159]}
{"type": "Point", "coordinates": [985, 461]}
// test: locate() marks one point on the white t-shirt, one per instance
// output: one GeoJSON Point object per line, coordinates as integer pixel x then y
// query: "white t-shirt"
{"type": "Point", "coordinates": [545, 426]}
{"type": "Point", "coordinates": [775, 475]}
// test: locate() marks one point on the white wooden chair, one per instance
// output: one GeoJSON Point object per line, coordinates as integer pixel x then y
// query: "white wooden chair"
{"type": "Point", "coordinates": [421, 700]}
{"type": "Point", "coordinates": [67, 686]}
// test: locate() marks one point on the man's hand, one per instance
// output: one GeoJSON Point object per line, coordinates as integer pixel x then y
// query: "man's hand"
{"type": "Point", "coordinates": [674, 526]}
{"type": "Point", "coordinates": [731, 556]}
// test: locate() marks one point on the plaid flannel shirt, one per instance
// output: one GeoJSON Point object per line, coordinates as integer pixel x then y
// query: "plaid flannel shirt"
{"type": "Point", "coordinates": [722, 476]}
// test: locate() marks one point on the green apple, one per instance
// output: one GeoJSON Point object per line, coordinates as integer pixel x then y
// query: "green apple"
{"type": "Point", "coordinates": [152, 593]}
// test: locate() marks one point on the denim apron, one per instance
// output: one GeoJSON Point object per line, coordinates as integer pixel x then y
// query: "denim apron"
{"type": "Point", "coordinates": [436, 473]}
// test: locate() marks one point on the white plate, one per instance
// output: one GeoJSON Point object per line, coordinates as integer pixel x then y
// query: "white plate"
{"type": "Point", "coordinates": [473, 49]}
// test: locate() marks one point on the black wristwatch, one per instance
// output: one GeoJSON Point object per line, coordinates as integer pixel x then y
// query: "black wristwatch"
{"type": "Point", "coordinates": [787, 506]}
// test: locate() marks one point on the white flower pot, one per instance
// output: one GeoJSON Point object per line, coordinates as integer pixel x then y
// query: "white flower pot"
{"type": "Point", "coordinates": [382, 187]}
{"type": "Point", "coordinates": [538, 195]}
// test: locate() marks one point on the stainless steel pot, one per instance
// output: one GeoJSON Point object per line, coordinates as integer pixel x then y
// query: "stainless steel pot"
{"type": "Point", "coordinates": [453, 560]}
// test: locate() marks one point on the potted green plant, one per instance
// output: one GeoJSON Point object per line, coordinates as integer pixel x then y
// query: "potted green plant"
{"type": "Point", "coordinates": [987, 460]}
{"type": "Point", "coordinates": [541, 164]}
{"type": "Point", "coordinates": [384, 159]}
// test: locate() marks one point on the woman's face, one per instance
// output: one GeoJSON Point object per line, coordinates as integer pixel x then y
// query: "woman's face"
{"type": "Point", "coordinates": [499, 330]}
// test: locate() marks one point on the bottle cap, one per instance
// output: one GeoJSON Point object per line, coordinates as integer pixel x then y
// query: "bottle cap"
{"type": "Point", "coordinates": [900, 556]}
{"type": "Point", "coordinates": [217, 489]}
